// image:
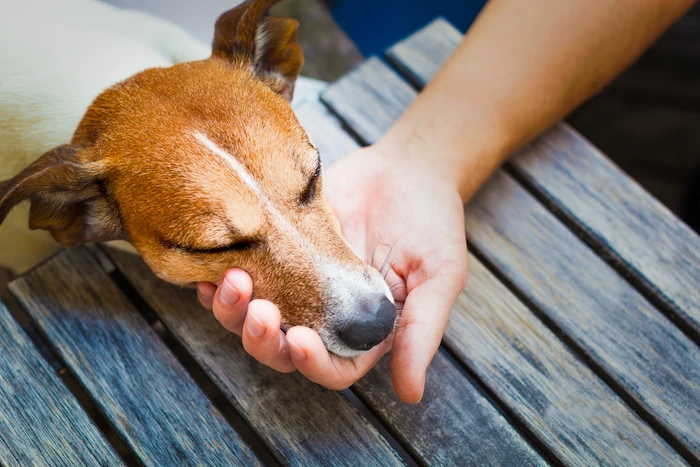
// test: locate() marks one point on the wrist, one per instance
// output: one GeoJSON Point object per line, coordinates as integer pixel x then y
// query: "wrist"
{"type": "Point", "coordinates": [464, 163]}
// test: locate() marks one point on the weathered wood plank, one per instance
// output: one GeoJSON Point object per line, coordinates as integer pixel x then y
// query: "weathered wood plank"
{"type": "Point", "coordinates": [560, 398]}
{"type": "Point", "coordinates": [634, 230]}
{"type": "Point", "coordinates": [454, 424]}
{"type": "Point", "coordinates": [621, 219]}
{"type": "Point", "coordinates": [656, 364]}
{"type": "Point", "coordinates": [132, 376]}
{"type": "Point", "coordinates": [325, 131]}
{"type": "Point", "coordinates": [301, 423]}
{"type": "Point", "coordinates": [643, 352]}
{"type": "Point", "coordinates": [557, 396]}
{"type": "Point", "coordinates": [421, 55]}
{"type": "Point", "coordinates": [41, 423]}
{"type": "Point", "coordinates": [375, 84]}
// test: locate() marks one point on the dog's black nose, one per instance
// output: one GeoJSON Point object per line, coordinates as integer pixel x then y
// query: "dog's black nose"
{"type": "Point", "coordinates": [371, 324]}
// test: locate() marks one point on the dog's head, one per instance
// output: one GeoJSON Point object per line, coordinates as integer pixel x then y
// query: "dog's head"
{"type": "Point", "coordinates": [203, 166]}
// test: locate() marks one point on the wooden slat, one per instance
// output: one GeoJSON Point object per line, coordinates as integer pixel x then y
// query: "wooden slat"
{"type": "Point", "coordinates": [618, 216]}
{"type": "Point", "coordinates": [421, 55]}
{"type": "Point", "coordinates": [506, 345]}
{"type": "Point", "coordinates": [656, 364]}
{"type": "Point", "coordinates": [621, 219]}
{"type": "Point", "coordinates": [454, 424]}
{"type": "Point", "coordinates": [325, 131]}
{"type": "Point", "coordinates": [301, 423]}
{"type": "Point", "coordinates": [139, 385]}
{"type": "Point", "coordinates": [509, 349]}
{"type": "Point", "coordinates": [643, 352]}
{"type": "Point", "coordinates": [41, 423]}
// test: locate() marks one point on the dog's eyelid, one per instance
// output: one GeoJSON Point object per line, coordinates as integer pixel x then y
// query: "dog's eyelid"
{"type": "Point", "coordinates": [310, 191]}
{"type": "Point", "coordinates": [239, 245]}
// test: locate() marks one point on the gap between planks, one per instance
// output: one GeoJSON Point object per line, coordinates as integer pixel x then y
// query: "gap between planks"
{"type": "Point", "coordinates": [636, 280]}
{"type": "Point", "coordinates": [580, 353]}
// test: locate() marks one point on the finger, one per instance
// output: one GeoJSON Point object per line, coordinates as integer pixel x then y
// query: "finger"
{"type": "Point", "coordinates": [205, 294]}
{"type": "Point", "coordinates": [263, 338]}
{"type": "Point", "coordinates": [421, 326]}
{"type": "Point", "coordinates": [232, 298]}
{"type": "Point", "coordinates": [313, 360]}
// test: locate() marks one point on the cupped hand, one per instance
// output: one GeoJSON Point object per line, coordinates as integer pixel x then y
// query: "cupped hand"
{"type": "Point", "coordinates": [404, 218]}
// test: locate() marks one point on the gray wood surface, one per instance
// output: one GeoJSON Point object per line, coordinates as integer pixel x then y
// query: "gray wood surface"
{"type": "Point", "coordinates": [644, 354]}
{"type": "Point", "coordinates": [138, 384]}
{"type": "Point", "coordinates": [325, 130]}
{"type": "Point", "coordinates": [300, 422]}
{"type": "Point", "coordinates": [454, 424]}
{"type": "Point", "coordinates": [582, 420]}
{"type": "Point", "coordinates": [421, 55]}
{"type": "Point", "coordinates": [621, 219]}
{"type": "Point", "coordinates": [618, 216]}
{"type": "Point", "coordinates": [640, 349]}
{"type": "Point", "coordinates": [41, 423]}
{"type": "Point", "coordinates": [578, 417]}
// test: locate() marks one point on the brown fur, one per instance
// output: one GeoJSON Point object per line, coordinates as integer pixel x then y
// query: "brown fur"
{"type": "Point", "coordinates": [135, 171]}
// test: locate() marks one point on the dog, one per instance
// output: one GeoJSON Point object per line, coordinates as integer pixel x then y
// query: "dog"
{"type": "Point", "coordinates": [200, 166]}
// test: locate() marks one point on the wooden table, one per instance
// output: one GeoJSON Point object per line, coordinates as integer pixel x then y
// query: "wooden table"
{"type": "Point", "coordinates": [575, 341]}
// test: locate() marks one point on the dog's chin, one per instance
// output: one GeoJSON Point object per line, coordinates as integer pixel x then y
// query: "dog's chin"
{"type": "Point", "coordinates": [345, 352]}
{"type": "Point", "coordinates": [337, 347]}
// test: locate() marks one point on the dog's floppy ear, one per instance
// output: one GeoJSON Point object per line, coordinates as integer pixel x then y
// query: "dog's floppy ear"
{"type": "Point", "coordinates": [67, 198]}
{"type": "Point", "coordinates": [247, 35]}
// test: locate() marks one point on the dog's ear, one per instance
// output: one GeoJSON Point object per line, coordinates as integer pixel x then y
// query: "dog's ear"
{"type": "Point", "coordinates": [67, 195]}
{"type": "Point", "coordinates": [247, 36]}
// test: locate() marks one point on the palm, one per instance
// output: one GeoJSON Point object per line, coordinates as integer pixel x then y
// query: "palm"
{"type": "Point", "coordinates": [410, 225]}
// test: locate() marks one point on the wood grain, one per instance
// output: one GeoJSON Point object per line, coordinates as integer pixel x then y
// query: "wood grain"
{"type": "Point", "coordinates": [421, 55]}
{"type": "Point", "coordinates": [326, 131]}
{"type": "Point", "coordinates": [454, 424]}
{"type": "Point", "coordinates": [138, 384]}
{"type": "Point", "coordinates": [580, 419]}
{"type": "Point", "coordinates": [41, 423]}
{"type": "Point", "coordinates": [372, 97]}
{"type": "Point", "coordinates": [613, 212]}
{"type": "Point", "coordinates": [640, 349]}
{"type": "Point", "coordinates": [301, 423]}
{"type": "Point", "coordinates": [617, 216]}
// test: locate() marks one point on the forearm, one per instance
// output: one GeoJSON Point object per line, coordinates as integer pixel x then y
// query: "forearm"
{"type": "Point", "coordinates": [521, 68]}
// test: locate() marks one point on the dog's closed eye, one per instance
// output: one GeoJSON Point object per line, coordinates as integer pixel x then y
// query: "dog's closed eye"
{"type": "Point", "coordinates": [310, 191]}
{"type": "Point", "coordinates": [240, 245]}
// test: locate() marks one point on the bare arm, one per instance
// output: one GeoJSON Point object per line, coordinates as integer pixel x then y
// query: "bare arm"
{"type": "Point", "coordinates": [522, 66]}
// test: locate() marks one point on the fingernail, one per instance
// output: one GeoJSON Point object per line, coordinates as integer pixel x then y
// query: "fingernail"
{"type": "Point", "coordinates": [296, 351]}
{"type": "Point", "coordinates": [255, 327]}
{"type": "Point", "coordinates": [229, 295]}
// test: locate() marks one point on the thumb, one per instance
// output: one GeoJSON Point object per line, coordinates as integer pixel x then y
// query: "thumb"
{"type": "Point", "coordinates": [421, 326]}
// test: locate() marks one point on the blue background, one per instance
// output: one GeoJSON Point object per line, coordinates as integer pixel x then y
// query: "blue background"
{"type": "Point", "coordinates": [374, 25]}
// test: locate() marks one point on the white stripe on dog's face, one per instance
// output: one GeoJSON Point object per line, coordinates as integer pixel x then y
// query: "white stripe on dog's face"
{"type": "Point", "coordinates": [278, 218]}
{"type": "Point", "coordinates": [240, 169]}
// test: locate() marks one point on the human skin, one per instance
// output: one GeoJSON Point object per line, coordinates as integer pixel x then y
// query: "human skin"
{"type": "Point", "coordinates": [521, 67]}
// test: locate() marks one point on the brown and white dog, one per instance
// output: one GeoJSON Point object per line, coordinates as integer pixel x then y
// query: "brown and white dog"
{"type": "Point", "coordinates": [202, 166]}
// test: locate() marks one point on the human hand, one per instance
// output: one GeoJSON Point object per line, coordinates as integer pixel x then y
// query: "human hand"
{"type": "Point", "coordinates": [404, 218]}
